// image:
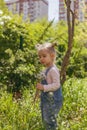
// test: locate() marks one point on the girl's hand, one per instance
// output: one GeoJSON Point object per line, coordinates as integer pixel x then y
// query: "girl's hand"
{"type": "Point", "coordinates": [39, 86]}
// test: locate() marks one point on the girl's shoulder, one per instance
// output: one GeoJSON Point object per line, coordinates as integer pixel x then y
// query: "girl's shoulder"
{"type": "Point", "coordinates": [54, 69]}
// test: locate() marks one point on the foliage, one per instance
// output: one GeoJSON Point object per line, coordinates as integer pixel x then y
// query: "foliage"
{"type": "Point", "coordinates": [3, 7]}
{"type": "Point", "coordinates": [18, 54]}
{"type": "Point", "coordinates": [19, 66]}
{"type": "Point", "coordinates": [19, 62]}
{"type": "Point", "coordinates": [78, 60]}
{"type": "Point", "coordinates": [22, 114]}
{"type": "Point", "coordinates": [73, 114]}
{"type": "Point", "coordinates": [18, 115]}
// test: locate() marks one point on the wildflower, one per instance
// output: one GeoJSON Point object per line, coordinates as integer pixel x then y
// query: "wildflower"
{"type": "Point", "coordinates": [41, 76]}
{"type": "Point", "coordinates": [1, 12]}
{"type": "Point", "coordinates": [1, 23]}
{"type": "Point", "coordinates": [6, 17]}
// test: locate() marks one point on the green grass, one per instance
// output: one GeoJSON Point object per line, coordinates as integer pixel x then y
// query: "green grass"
{"type": "Point", "coordinates": [24, 115]}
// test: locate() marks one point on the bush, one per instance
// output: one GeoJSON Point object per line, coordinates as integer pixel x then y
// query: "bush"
{"type": "Point", "coordinates": [18, 58]}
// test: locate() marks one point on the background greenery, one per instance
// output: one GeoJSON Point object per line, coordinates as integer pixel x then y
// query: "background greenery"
{"type": "Point", "coordinates": [19, 66]}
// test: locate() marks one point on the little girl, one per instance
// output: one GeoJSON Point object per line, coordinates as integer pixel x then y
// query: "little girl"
{"type": "Point", "coordinates": [51, 93]}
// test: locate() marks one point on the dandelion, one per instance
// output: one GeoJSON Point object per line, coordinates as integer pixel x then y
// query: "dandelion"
{"type": "Point", "coordinates": [41, 76]}
{"type": "Point", "coordinates": [1, 12]}
{"type": "Point", "coordinates": [1, 23]}
{"type": "Point", "coordinates": [6, 17]}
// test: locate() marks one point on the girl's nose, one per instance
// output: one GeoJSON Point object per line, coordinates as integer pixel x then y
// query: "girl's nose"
{"type": "Point", "coordinates": [41, 60]}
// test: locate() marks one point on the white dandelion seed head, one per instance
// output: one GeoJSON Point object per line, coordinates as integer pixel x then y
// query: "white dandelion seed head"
{"type": "Point", "coordinates": [1, 12]}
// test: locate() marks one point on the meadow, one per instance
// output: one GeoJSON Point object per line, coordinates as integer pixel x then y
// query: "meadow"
{"type": "Point", "coordinates": [24, 114]}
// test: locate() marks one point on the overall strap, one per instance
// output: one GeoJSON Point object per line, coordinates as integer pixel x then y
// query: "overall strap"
{"type": "Point", "coordinates": [48, 70]}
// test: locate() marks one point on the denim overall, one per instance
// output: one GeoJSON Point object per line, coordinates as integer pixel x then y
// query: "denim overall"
{"type": "Point", "coordinates": [51, 103]}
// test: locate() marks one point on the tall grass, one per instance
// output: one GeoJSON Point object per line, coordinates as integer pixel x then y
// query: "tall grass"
{"type": "Point", "coordinates": [73, 114]}
{"type": "Point", "coordinates": [24, 115]}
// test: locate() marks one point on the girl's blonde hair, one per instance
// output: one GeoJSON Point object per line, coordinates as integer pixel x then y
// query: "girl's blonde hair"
{"type": "Point", "coordinates": [47, 46]}
{"type": "Point", "coordinates": [50, 47]}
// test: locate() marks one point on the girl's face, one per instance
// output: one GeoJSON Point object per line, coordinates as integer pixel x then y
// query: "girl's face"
{"type": "Point", "coordinates": [46, 58]}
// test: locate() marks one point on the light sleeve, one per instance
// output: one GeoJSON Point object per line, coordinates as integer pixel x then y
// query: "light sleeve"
{"type": "Point", "coordinates": [53, 77]}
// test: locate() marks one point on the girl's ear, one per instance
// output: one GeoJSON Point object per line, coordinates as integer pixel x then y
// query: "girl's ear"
{"type": "Point", "coordinates": [52, 55]}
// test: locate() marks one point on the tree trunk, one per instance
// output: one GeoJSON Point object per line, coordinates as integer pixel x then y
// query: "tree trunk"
{"type": "Point", "coordinates": [70, 23]}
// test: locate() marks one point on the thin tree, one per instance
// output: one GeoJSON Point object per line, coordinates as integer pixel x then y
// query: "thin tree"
{"type": "Point", "coordinates": [71, 25]}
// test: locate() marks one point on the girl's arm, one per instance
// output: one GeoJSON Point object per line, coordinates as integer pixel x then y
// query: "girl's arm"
{"type": "Point", "coordinates": [53, 79]}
